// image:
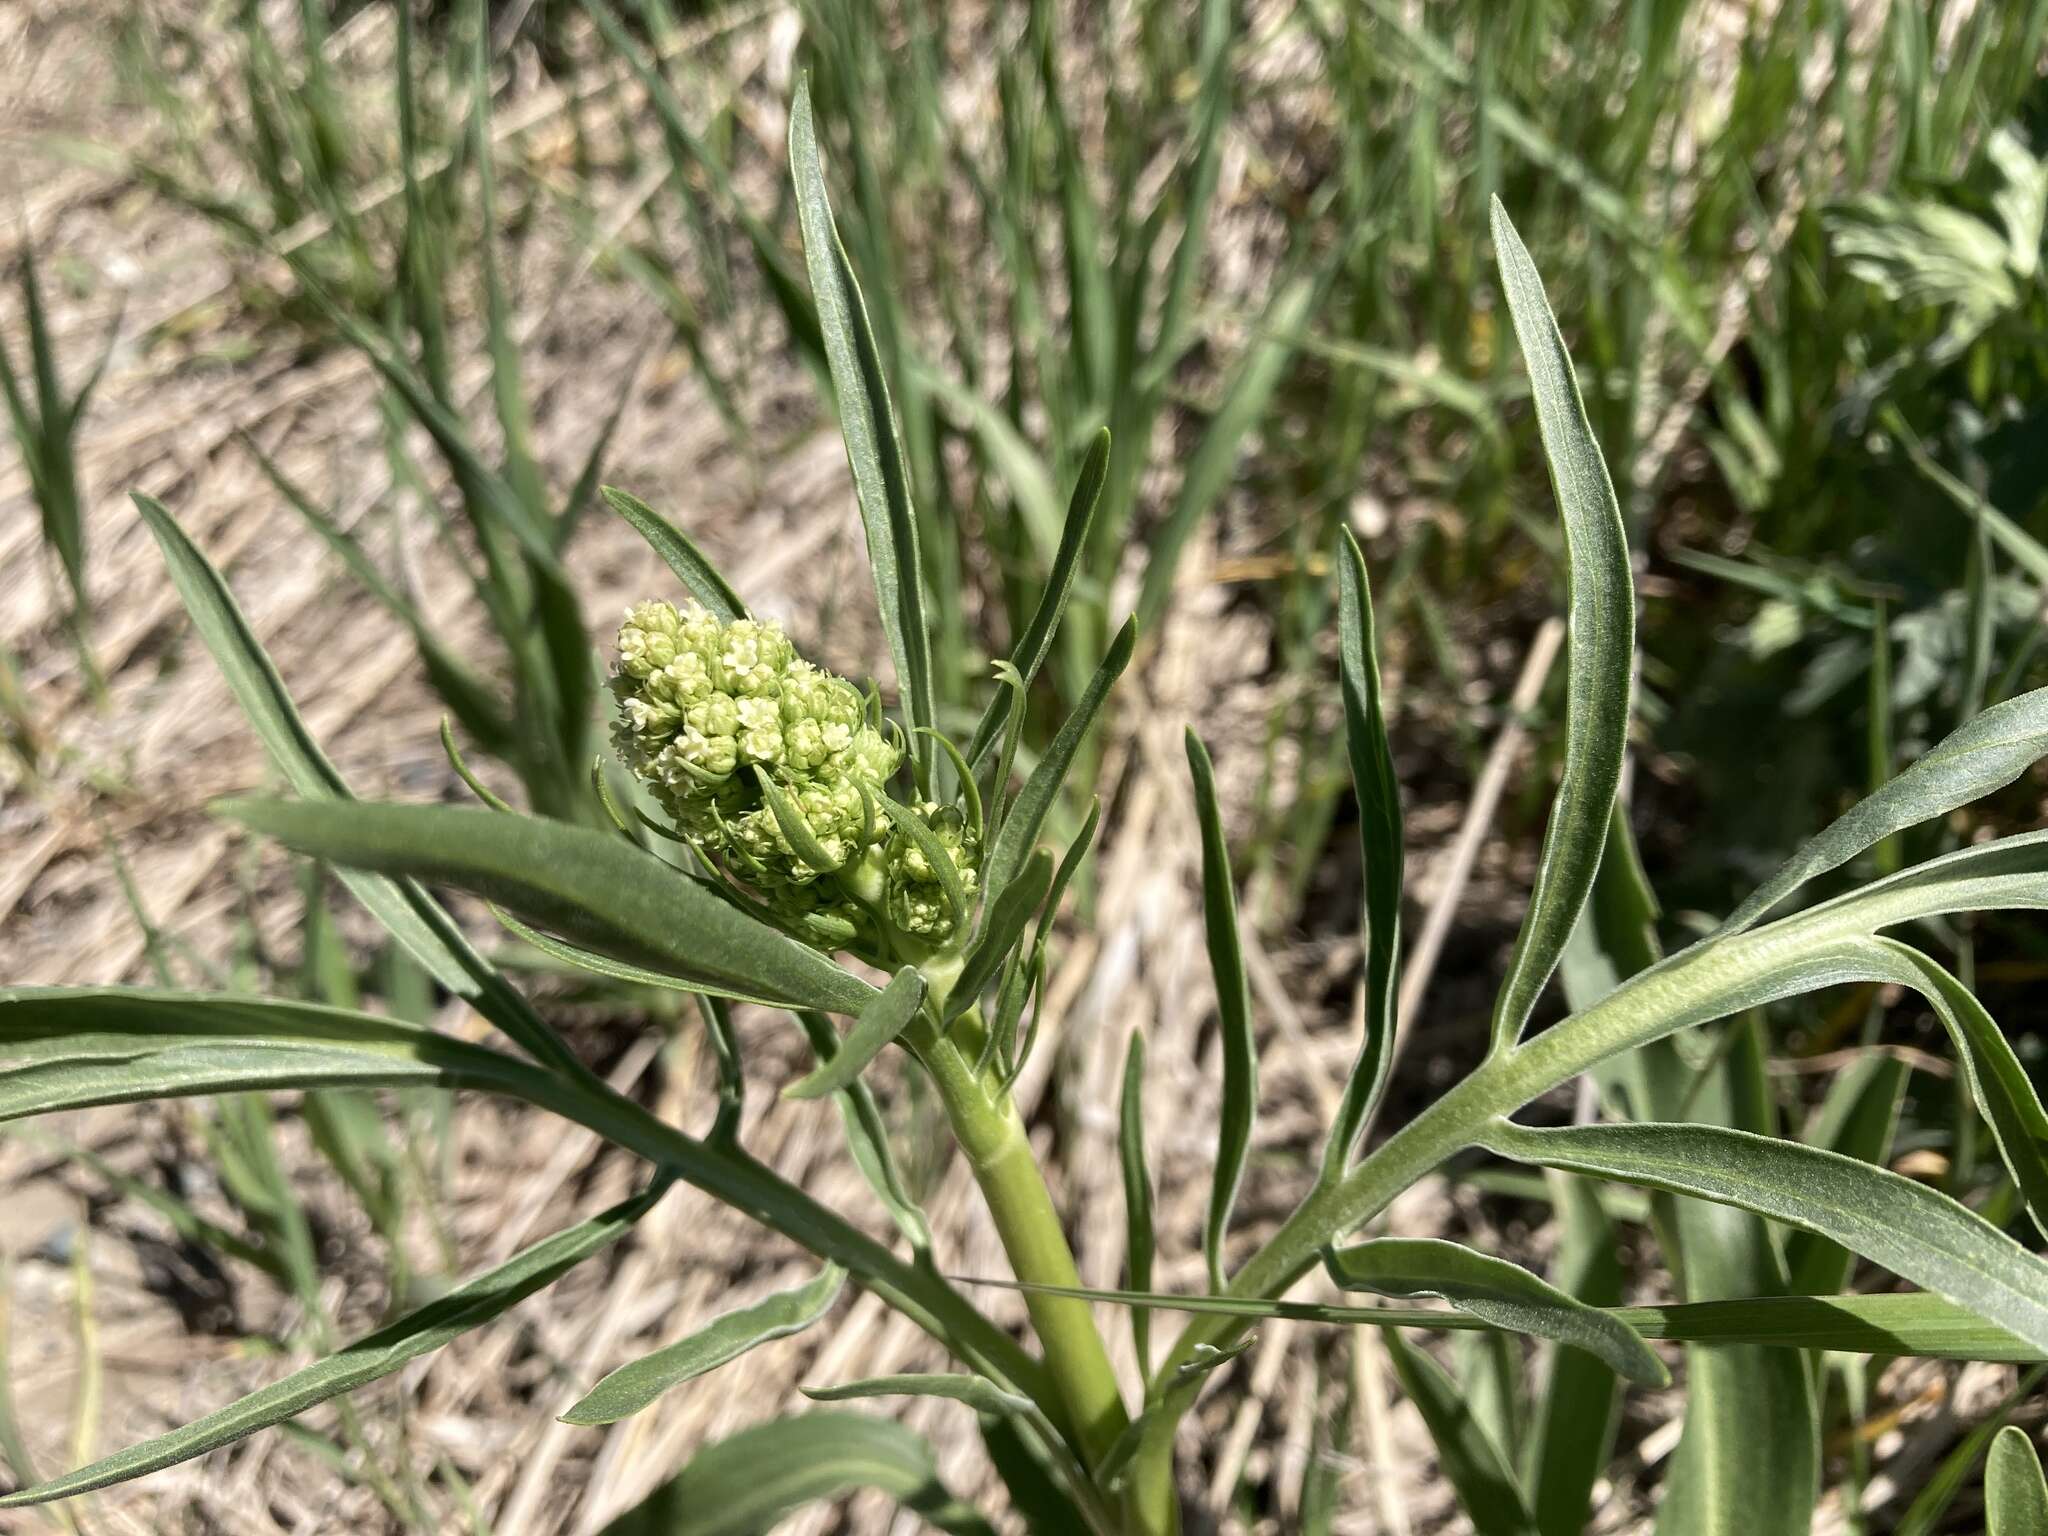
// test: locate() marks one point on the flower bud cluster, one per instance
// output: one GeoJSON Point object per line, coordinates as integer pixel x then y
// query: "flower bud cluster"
{"type": "Point", "coordinates": [708, 710]}
{"type": "Point", "coordinates": [918, 902]}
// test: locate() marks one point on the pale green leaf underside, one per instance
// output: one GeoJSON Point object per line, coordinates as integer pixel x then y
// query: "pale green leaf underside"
{"type": "Point", "coordinates": [70, 1048]}
{"type": "Point", "coordinates": [886, 1016]}
{"type": "Point", "coordinates": [634, 1385]}
{"type": "Point", "coordinates": [2015, 1494]}
{"type": "Point", "coordinates": [1502, 1293]}
{"type": "Point", "coordinates": [982, 1396]}
{"type": "Point", "coordinates": [1601, 617]}
{"type": "Point", "coordinates": [881, 478]}
{"type": "Point", "coordinates": [1911, 1230]}
{"type": "Point", "coordinates": [1987, 753]}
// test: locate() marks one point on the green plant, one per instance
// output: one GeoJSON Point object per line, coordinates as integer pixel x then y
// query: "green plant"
{"type": "Point", "coordinates": [45, 424]}
{"type": "Point", "coordinates": [1061, 299]}
{"type": "Point", "coordinates": [729, 926]}
{"type": "Point", "coordinates": [517, 525]}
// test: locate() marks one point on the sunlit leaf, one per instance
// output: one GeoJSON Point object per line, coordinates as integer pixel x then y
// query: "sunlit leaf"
{"type": "Point", "coordinates": [1504, 1294]}
{"type": "Point", "coordinates": [638, 1383]}
{"type": "Point", "coordinates": [1602, 640]}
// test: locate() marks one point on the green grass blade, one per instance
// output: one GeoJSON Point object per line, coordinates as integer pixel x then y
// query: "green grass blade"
{"type": "Point", "coordinates": [588, 886]}
{"type": "Point", "coordinates": [1602, 639]}
{"type": "Point", "coordinates": [1860, 1115]}
{"type": "Point", "coordinates": [750, 1482]}
{"type": "Point", "coordinates": [1139, 1239]}
{"type": "Point", "coordinates": [459, 687]}
{"type": "Point", "coordinates": [2015, 1493]}
{"type": "Point", "coordinates": [874, 448]}
{"type": "Point", "coordinates": [1989, 752]}
{"type": "Point", "coordinates": [1911, 1230]}
{"type": "Point", "coordinates": [1379, 813]}
{"type": "Point", "coordinates": [880, 1022]}
{"type": "Point", "coordinates": [1215, 458]}
{"type": "Point", "coordinates": [1504, 1294]}
{"type": "Point", "coordinates": [1485, 1485]}
{"type": "Point", "coordinates": [1573, 1423]}
{"type": "Point", "coordinates": [981, 1396]}
{"type": "Point", "coordinates": [1896, 1323]}
{"type": "Point", "coordinates": [369, 1359]}
{"type": "Point", "coordinates": [697, 574]}
{"type": "Point", "coordinates": [1233, 1009]}
{"type": "Point", "coordinates": [635, 1385]}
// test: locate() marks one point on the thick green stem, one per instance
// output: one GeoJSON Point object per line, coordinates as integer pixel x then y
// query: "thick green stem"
{"type": "Point", "coordinates": [987, 1126]}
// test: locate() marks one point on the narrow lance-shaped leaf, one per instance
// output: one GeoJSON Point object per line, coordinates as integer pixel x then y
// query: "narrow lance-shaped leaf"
{"type": "Point", "coordinates": [874, 449]}
{"type": "Point", "coordinates": [1984, 755]}
{"type": "Point", "coordinates": [1915, 1232]}
{"type": "Point", "coordinates": [1233, 1009]}
{"type": "Point", "coordinates": [1500, 1292]}
{"type": "Point", "coordinates": [1379, 832]}
{"type": "Point", "coordinates": [1020, 827]}
{"type": "Point", "coordinates": [1484, 1483]}
{"type": "Point", "coordinates": [880, 1022]}
{"type": "Point", "coordinates": [1035, 644]}
{"type": "Point", "coordinates": [634, 1385]}
{"type": "Point", "coordinates": [1138, 1235]}
{"type": "Point", "coordinates": [750, 1482]}
{"type": "Point", "coordinates": [982, 1396]}
{"type": "Point", "coordinates": [1001, 931]}
{"type": "Point", "coordinates": [867, 1138]}
{"type": "Point", "coordinates": [73, 1048]}
{"type": "Point", "coordinates": [1215, 458]}
{"type": "Point", "coordinates": [690, 564]}
{"type": "Point", "coordinates": [2003, 1090]}
{"type": "Point", "coordinates": [578, 958]}
{"type": "Point", "coordinates": [470, 1305]}
{"type": "Point", "coordinates": [2015, 1493]}
{"type": "Point", "coordinates": [589, 886]}
{"type": "Point", "coordinates": [1602, 640]}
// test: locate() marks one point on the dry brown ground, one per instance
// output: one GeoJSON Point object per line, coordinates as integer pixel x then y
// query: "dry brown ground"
{"type": "Point", "coordinates": [138, 770]}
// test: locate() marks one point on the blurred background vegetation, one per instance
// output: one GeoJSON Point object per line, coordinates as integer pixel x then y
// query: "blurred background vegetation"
{"type": "Point", "coordinates": [1797, 250]}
